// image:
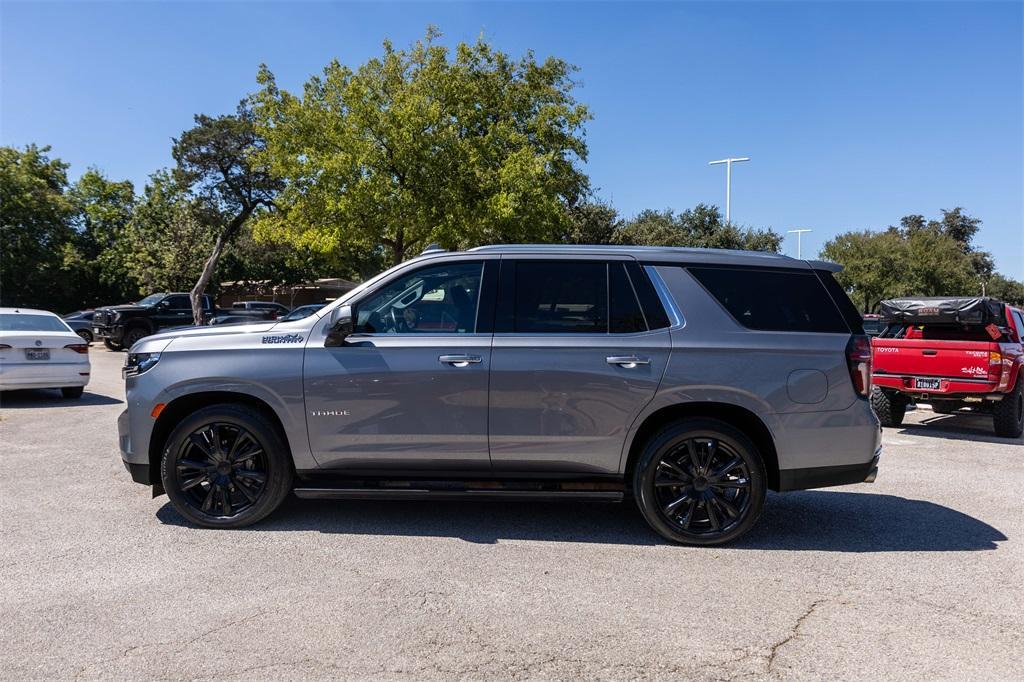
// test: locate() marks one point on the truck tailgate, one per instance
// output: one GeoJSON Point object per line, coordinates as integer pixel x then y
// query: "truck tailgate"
{"type": "Point", "coordinates": [930, 358]}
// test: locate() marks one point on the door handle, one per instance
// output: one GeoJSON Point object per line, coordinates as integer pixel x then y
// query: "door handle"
{"type": "Point", "coordinates": [627, 361]}
{"type": "Point", "coordinates": [459, 360]}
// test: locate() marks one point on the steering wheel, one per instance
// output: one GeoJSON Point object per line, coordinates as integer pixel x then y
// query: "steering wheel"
{"type": "Point", "coordinates": [394, 320]}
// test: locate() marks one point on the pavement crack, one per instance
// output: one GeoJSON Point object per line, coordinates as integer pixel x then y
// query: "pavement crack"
{"type": "Point", "coordinates": [794, 633]}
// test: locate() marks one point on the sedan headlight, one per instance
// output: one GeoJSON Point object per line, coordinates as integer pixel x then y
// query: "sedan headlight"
{"type": "Point", "coordinates": [139, 363]}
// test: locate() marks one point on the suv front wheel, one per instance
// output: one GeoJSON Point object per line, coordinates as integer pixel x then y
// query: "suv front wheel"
{"type": "Point", "coordinates": [224, 466]}
{"type": "Point", "coordinates": [699, 481]}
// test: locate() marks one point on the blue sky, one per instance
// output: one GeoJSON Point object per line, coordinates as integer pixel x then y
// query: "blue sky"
{"type": "Point", "coordinates": [854, 114]}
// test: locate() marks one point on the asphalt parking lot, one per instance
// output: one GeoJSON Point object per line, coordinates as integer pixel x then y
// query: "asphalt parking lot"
{"type": "Point", "coordinates": [915, 576]}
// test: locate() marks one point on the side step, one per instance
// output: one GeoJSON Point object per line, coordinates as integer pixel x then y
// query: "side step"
{"type": "Point", "coordinates": [454, 494]}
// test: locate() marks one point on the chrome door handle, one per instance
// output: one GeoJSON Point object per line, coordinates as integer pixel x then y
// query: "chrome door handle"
{"type": "Point", "coordinates": [459, 360]}
{"type": "Point", "coordinates": [627, 361]}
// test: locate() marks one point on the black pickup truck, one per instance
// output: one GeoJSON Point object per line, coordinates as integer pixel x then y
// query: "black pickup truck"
{"type": "Point", "coordinates": [120, 326]}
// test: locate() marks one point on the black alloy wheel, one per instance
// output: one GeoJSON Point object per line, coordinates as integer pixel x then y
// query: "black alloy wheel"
{"type": "Point", "coordinates": [111, 345]}
{"type": "Point", "coordinates": [221, 469]}
{"type": "Point", "coordinates": [85, 334]}
{"type": "Point", "coordinates": [700, 481]}
{"type": "Point", "coordinates": [225, 467]}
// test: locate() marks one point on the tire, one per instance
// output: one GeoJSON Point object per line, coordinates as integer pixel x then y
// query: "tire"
{"type": "Point", "coordinates": [1008, 413]}
{"type": "Point", "coordinates": [890, 407]}
{"type": "Point", "coordinates": [111, 345]}
{"type": "Point", "coordinates": [85, 334]}
{"type": "Point", "coordinates": [132, 335]}
{"type": "Point", "coordinates": [72, 391]}
{"type": "Point", "coordinates": [217, 494]}
{"type": "Point", "coordinates": [697, 511]}
{"type": "Point", "coordinates": [946, 407]}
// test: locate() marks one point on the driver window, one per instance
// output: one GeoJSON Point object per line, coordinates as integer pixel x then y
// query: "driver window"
{"type": "Point", "coordinates": [440, 299]}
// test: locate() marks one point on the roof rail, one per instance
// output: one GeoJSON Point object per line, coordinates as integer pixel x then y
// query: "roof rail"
{"type": "Point", "coordinates": [432, 248]}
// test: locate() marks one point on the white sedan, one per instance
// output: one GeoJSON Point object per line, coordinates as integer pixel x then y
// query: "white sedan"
{"type": "Point", "coordinates": [38, 350]}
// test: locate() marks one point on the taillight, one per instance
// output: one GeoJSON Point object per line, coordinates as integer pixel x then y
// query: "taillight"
{"type": "Point", "coordinates": [858, 358]}
{"type": "Point", "coordinates": [78, 347]}
{"type": "Point", "coordinates": [999, 369]}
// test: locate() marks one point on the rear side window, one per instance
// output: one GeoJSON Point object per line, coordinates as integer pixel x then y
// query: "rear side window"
{"type": "Point", "coordinates": [854, 321]}
{"type": "Point", "coordinates": [773, 300]}
{"type": "Point", "coordinates": [561, 297]}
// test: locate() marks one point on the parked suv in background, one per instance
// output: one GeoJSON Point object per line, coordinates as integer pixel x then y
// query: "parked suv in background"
{"type": "Point", "coordinates": [691, 380]}
{"type": "Point", "coordinates": [120, 326]}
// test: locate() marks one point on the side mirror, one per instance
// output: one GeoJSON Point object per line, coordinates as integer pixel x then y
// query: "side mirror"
{"type": "Point", "coordinates": [163, 305]}
{"type": "Point", "coordinates": [339, 326]}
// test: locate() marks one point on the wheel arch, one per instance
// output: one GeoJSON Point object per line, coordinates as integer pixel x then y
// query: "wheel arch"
{"type": "Point", "coordinates": [182, 406]}
{"type": "Point", "coordinates": [734, 415]}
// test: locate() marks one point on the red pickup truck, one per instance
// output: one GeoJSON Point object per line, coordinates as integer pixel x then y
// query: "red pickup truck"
{"type": "Point", "coordinates": [951, 353]}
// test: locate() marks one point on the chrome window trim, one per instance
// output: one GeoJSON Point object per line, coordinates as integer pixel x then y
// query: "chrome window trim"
{"type": "Point", "coordinates": [675, 316]}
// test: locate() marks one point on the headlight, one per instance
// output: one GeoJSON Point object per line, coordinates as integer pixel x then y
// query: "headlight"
{"type": "Point", "coordinates": [139, 363]}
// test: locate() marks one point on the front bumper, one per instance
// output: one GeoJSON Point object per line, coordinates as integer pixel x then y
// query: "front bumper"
{"type": "Point", "coordinates": [141, 472]}
{"type": "Point", "coordinates": [113, 334]}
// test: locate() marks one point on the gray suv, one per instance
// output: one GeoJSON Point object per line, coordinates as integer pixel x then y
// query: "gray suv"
{"type": "Point", "coordinates": [690, 380]}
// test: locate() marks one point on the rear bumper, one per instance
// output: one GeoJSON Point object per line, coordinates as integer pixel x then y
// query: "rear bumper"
{"type": "Point", "coordinates": [14, 377]}
{"type": "Point", "coordinates": [948, 388]}
{"type": "Point", "coordinates": [825, 477]}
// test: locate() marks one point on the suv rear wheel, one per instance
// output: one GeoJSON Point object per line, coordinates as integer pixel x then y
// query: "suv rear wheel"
{"type": "Point", "coordinates": [699, 481]}
{"type": "Point", "coordinates": [890, 407]}
{"type": "Point", "coordinates": [225, 467]}
{"type": "Point", "coordinates": [1008, 413]}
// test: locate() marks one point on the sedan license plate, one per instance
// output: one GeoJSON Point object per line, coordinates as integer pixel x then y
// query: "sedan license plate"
{"type": "Point", "coordinates": [37, 353]}
{"type": "Point", "coordinates": [927, 383]}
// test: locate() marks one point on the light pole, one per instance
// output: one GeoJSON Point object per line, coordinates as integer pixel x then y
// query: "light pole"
{"type": "Point", "coordinates": [728, 180]}
{"type": "Point", "coordinates": [799, 241]}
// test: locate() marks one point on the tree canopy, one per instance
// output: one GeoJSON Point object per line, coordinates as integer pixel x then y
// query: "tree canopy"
{"type": "Point", "coordinates": [424, 145]}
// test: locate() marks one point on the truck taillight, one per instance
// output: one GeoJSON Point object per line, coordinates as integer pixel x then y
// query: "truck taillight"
{"type": "Point", "coordinates": [858, 357]}
{"type": "Point", "coordinates": [996, 361]}
{"type": "Point", "coordinates": [78, 347]}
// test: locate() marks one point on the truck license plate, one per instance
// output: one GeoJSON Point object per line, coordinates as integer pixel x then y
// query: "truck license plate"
{"type": "Point", "coordinates": [37, 353]}
{"type": "Point", "coordinates": [927, 383]}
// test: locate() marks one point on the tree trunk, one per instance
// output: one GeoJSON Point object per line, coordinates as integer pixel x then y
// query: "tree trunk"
{"type": "Point", "coordinates": [211, 264]}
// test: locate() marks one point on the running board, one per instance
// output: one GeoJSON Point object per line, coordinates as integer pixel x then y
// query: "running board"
{"type": "Point", "coordinates": [449, 494]}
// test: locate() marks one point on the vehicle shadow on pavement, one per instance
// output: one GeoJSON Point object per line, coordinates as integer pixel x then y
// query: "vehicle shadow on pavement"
{"type": "Point", "coordinates": [959, 426]}
{"type": "Point", "coordinates": [830, 521]}
{"type": "Point", "coordinates": [43, 397]}
{"type": "Point", "coordinates": [807, 520]}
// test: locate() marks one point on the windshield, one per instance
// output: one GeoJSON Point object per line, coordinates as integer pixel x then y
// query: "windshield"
{"type": "Point", "coordinates": [17, 322]}
{"type": "Point", "coordinates": [301, 312]}
{"type": "Point", "coordinates": [152, 299]}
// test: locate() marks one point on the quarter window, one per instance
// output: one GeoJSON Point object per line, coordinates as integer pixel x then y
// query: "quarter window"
{"type": "Point", "coordinates": [178, 302]}
{"type": "Point", "coordinates": [441, 299]}
{"type": "Point", "coordinates": [773, 300]}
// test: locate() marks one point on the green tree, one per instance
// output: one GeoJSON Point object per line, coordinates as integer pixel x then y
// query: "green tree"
{"type": "Point", "coordinates": [218, 161]}
{"type": "Point", "coordinates": [701, 226]}
{"type": "Point", "coordinates": [35, 216]}
{"type": "Point", "coordinates": [424, 145]}
{"type": "Point", "coordinates": [166, 241]}
{"type": "Point", "coordinates": [102, 210]}
{"type": "Point", "coordinates": [1006, 289]}
{"type": "Point", "coordinates": [592, 222]}
{"type": "Point", "coordinates": [917, 258]}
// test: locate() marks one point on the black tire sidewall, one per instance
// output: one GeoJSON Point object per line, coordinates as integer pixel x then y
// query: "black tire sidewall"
{"type": "Point", "coordinates": [670, 436]}
{"type": "Point", "coordinates": [1006, 414]}
{"type": "Point", "coordinates": [133, 336]}
{"type": "Point", "coordinates": [279, 475]}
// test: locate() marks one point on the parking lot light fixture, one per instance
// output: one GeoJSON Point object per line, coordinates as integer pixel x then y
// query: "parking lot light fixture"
{"type": "Point", "coordinates": [728, 180]}
{"type": "Point", "coordinates": [799, 241]}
